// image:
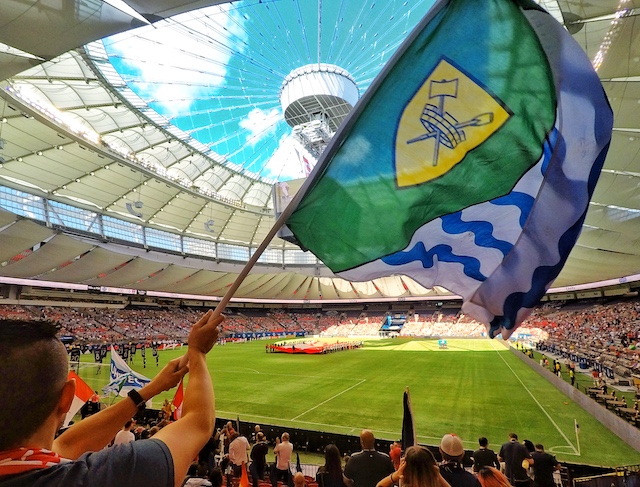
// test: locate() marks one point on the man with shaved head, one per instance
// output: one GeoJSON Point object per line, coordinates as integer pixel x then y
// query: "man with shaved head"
{"type": "Point", "coordinates": [368, 466]}
{"type": "Point", "coordinates": [37, 395]}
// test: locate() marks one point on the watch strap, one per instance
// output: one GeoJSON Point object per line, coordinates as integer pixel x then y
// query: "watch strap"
{"type": "Point", "coordinates": [136, 398]}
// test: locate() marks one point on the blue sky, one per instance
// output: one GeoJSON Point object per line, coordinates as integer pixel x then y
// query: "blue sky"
{"type": "Point", "coordinates": [216, 73]}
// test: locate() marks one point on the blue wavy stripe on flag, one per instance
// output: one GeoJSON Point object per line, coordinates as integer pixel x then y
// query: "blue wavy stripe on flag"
{"type": "Point", "coordinates": [544, 275]}
{"type": "Point", "coordinates": [444, 253]}
{"type": "Point", "coordinates": [540, 279]}
{"type": "Point", "coordinates": [547, 148]}
{"type": "Point", "coordinates": [579, 147]}
{"type": "Point", "coordinates": [482, 231]}
{"type": "Point", "coordinates": [522, 200]}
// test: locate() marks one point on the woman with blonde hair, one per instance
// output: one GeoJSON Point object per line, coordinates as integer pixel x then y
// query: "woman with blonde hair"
{"type": "Point", "coordinates": [418, 468]}
{"type": "Point", "coordinates": [492, 477]}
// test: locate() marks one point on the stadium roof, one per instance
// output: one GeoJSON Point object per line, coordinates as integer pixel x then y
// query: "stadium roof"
{"type": "Point", "coordinates": [150, 136]}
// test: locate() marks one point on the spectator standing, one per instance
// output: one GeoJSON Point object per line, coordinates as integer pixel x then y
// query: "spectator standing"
{"type": "Point", "coordinates": [125, 435]}
{"type": "Point", "coordinates": [451, 467]}
{"type": "Point", "coordinates": [254, 435]}
{"type": "Point", "coordinates": [282, 451]}
{"type": "Point", "coordinates": [417, 469]}
{"type": "Point", "coordinates": [543, 467]}
{"type": "Point", "coordinates": [484, 456]}
{"type": "Point", "coordinates": [513, 455]}
{"type": "Point", "coordinates": [259, 458]}
{"type": "Point", "coordinates": [229, 434]}
{"type": "Point", "coordinates": [92, 406]}
{"type": "Point", "coordinates": [368, 466]}
{"type": "Point", "coordinates": [208, 452]}
{"type": "Point", "coordinates": [330, 474]}
{"type": "Point", "coordinates": [238, 449]}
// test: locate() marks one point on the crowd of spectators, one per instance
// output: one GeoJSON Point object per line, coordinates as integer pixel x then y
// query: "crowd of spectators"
{"type": "Point", "coordinates": [608, 332]}
{"type": "Point", "coordinates": [605, 332]}
{"type": "Point", "coordinates": [214, 466]}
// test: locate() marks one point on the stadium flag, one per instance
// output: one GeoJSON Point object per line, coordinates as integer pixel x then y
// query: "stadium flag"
{"type": "Point", "coordinates": [469, 163]}
{"type": "Point", "coordinates": [177, 401]}
{"type": "Point", "coordinates": [408, 426]}
{"type": "Point", "coordinates": [82, 395]}
{"type": "Point", "coordinates": [244, 477]}
{"type": "Point", "coordinates": [123, 378]}
{"type": "Point", "coordinates": [114, 386]}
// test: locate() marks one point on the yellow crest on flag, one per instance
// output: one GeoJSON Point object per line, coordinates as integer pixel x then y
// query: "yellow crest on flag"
{"type": "Point", "coordinates": [448, 116]}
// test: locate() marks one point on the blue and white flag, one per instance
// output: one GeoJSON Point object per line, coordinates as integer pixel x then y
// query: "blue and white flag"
{"type": "Point", "coordinates": [468, 164]}
{"type": "Point", "coordinates": [123, 378]}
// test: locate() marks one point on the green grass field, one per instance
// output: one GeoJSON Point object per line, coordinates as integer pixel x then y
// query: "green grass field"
{"type": "Point", "coordinates": [474, 388]}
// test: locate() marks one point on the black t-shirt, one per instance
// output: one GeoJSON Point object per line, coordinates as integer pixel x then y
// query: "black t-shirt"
{"type": "Point", "coordinates": [513, 454]}
{"type": "Point", "coordinates": [367, 467]}
{"type": "Point", "coordinates": [259, 454]}
{"type": "Point", "coordinates": [484, 457]}
{"type": "Point", "coordinates": [543, 467]}
{"type": "Point", "coordinates": [457, 476]}
{"type": "Point", "coordinates": [325, 479]}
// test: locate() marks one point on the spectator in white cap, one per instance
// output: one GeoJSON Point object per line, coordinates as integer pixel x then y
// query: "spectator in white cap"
{"type": "Point", "coordinates": [451, 466]}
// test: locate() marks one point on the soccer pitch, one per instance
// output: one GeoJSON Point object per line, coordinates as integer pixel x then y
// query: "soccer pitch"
{"type": "Point", "coordinates": [474, 388]}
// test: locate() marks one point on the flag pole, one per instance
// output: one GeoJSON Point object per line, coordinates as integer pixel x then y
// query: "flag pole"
{"type": "Point", "coordinates": [280, 221]}
{"type": "Point", "coordinates": [335, 142]}
{"type": "Point", "coordinates": [256, 255]}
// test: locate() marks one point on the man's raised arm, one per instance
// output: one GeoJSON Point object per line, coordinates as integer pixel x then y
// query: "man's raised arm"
{"type": "Point", "coordinates": [96, 431]}
{"type": "Point", "coordinates": [186, 437]}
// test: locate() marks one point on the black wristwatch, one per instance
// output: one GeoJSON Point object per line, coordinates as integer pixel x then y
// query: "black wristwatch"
{"type": "Point", "coordinates": [137, 399]}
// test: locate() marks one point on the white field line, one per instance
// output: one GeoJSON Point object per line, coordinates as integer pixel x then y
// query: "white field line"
{"type": "Point", "coordinates": [575, 451]}
{"type": "Point", "coordinates": [331, 398]}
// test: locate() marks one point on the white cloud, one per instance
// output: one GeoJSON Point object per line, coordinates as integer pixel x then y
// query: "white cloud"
{"type": "Point", "coordinates": [176, 57]}
{"type": "Point", "coordinates": [285, 162]}
{"type": "Point", "coordinates": [260, 124]}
